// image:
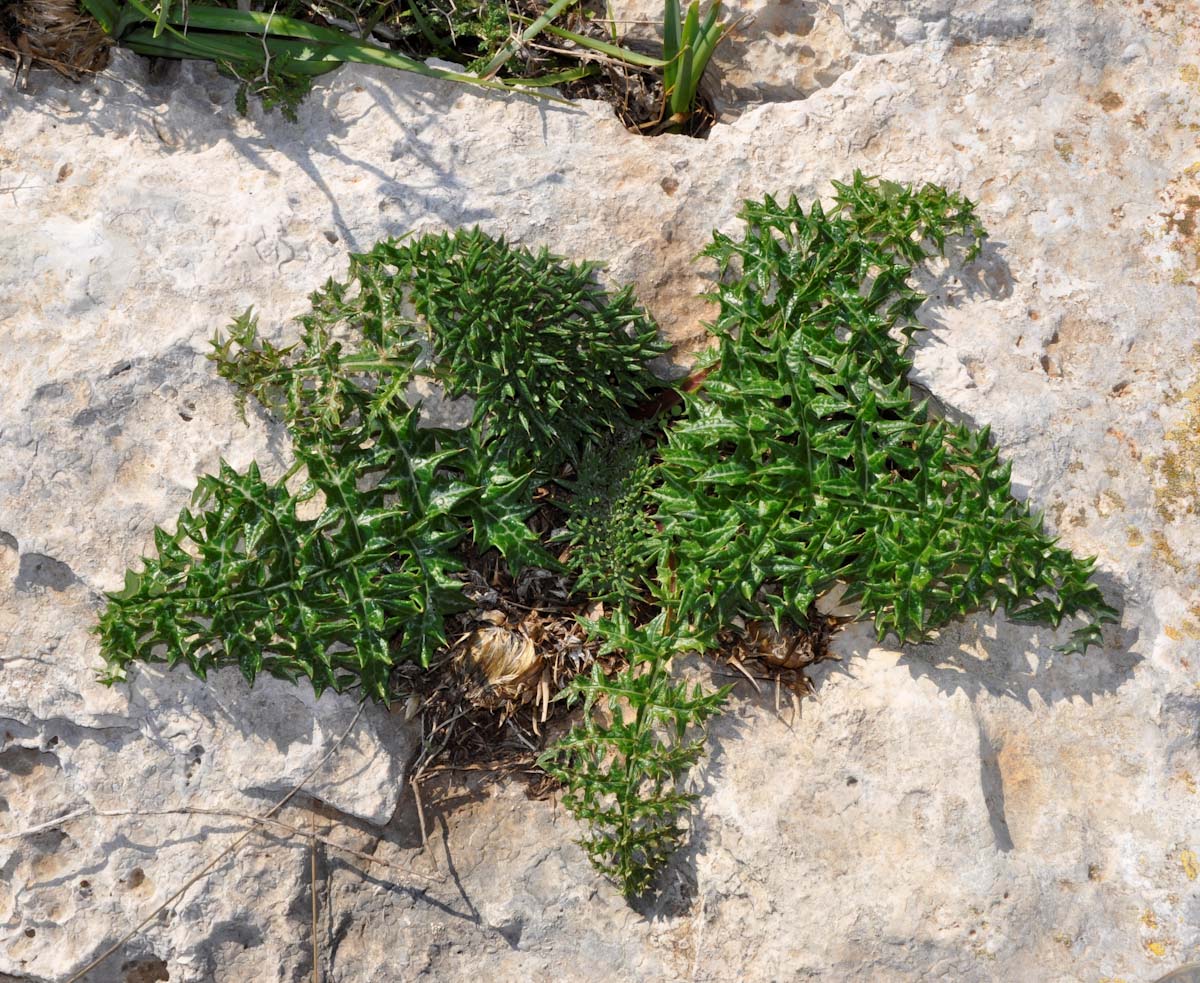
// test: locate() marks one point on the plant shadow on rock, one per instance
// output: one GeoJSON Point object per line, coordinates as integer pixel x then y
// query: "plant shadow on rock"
{"type": "Point", "coordinates": [432, 185]}
{"type": "Point", "coordinates": [272, 714]}
{"type": "Point", "coordinates": [801, 30]}
{"type": "Point", "coordinates": [1015, 663]}
{"type": "Point", "coordinates": [416, 840]}
{"type": "Point", "coordinates": [984, 657]}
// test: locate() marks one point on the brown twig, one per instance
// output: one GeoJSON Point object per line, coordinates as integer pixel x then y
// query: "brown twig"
{"type": "Point", "coordinates": [420, 812]}
{"type": "Point", "coordinates": [312, 886]}
{"type": "Point", "coordinates": [230, 813]}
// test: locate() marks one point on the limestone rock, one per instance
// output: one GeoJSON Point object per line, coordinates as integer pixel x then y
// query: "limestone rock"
{"type": "Point", "coordinates": [973, 809]}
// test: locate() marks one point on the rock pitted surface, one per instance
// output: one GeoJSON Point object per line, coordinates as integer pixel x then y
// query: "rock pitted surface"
{"type": "Point", "coordinates": [973, 809]}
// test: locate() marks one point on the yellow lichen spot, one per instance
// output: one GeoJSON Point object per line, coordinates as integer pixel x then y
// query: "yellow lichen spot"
{"type": "Point", "coordinates": [1191, 867]}
{"type": "Point", "coordinates": [1065, 149]}
{"type": "Point", "coordinates": [1178, 466]}
{"type": "Point", "coordinates": [1177, 496]}
{"type": "Point", "coordinates": [1185, 777]}
{"type": "Point", "coordinates": [1149, 920]}
{"type": "Point", "coordinates": [1187, 628]}
{"type": "Point", "coordinates": [1162, 550]}
{"type": "Point", "coordinates": [1156, 949]}
{"type": "Point", "coordinates": [1190, 74]}
{"type": "Point", "coordinates": [1134, 537]}
{"type": "Point", "coordinates": [1109, 502]}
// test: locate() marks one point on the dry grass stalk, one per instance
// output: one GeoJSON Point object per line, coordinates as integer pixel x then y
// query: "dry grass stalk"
{"type": "Point", "coordinates": [232, 848]}
{"type": "Point", "coordinates": [55, 33]}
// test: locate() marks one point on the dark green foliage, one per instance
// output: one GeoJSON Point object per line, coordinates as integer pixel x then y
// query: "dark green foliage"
{"type": "Point", "coordinates": [337, 597]}
{"type": "Point", "coordinates": [622, 774]}
{"type": "Point", "coordinates": [274, 50]}
{"type": "Point", "coordinates": [370, 580]}
{"type": "Point", "coordinates": [553, 362]}
{"type": "Point", "coordinates": [804, 462]}
{"type": "Point", "coordinates": [610, 529]}
{"type": "Point", "coordinates": [801, 462]}
{"type": "Point", "coordinates": [496, 502]}
{"type": "Point", "coordinates": [334, 598]}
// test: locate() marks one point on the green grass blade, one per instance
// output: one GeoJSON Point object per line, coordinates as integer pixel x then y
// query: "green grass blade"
{"type": "Point", "coordinates": [164, 11]}
{"type": "Point", "coordinates": [532, 31]}
{"type": "Point", "coordinates": [106, 12]}
{"type": "Point", "coordinates": [256, 23]}
{"type": "Point", "coordinates": [682, 94]}
{"type": "Point", "coordinates": [237, 35]}
{"type": "Point", "coordinates": [670, 29]}
{"type": "Point", "coordinates": [710, 37]}
{"type": "Point", "coordinates": [558, 78]}
{"type": "Point", "coordinates": [309, 56]}
{"type": "Point", "coordinates": [604, 48]}
{"type": "Point", "coordinates": [691, 25]}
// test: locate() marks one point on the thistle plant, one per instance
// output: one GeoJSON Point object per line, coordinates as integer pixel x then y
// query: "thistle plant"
{"type": "Point", "coordinates": [336, 599]}
{"type": "Point", "coordinates": [799, 463]}
{"type": "Point", "coordinates": [802, 462]}
{"type": "Point", "coordinates": [623, 767]}
{"type": "Point", "coordinates": [610, 526]}
{"type": "Point", "coordinates": [552, 361]}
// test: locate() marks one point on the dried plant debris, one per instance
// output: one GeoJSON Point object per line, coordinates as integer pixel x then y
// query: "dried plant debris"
{"type": "Point", "coordinates": [497, 665]}
{"type": "Point", "coordinates": [525, 585]}
{"type": "Point", "coordinates": [56, 34]}
{"type": "Point", "coordinates": [781, 656]}
{"type": "Point", "coordinates": [489, 708]}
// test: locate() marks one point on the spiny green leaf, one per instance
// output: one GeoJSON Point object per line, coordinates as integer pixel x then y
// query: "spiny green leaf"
{"type": "Point", "coordinates": [803, 450]}
{"type": "Point", "coordinates": [623, 777]}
